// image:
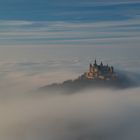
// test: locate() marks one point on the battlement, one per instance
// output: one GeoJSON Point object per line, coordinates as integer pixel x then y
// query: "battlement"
{"type": "Point", "coordinates": [101, 71]}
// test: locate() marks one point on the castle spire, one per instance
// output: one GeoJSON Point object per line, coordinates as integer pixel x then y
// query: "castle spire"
{"type": "Point", "coordinates": [101, 63]}
{"type": "Point", "coordinates": [90, 67]}
{"type": "Point", "coordinates": [95, 63]}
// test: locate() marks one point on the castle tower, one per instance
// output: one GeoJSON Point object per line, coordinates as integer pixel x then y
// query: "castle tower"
{"type": "Point", "coordinates": [112, 69]}
{"type": "Point", "coordinates": [101, 64]}
{"type": "Point", "coordinates": [95, 63]}
{"type": "Point", "coordinates": [90, 68]}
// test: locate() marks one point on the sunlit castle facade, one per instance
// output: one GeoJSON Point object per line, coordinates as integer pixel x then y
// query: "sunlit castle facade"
{"type": "Point", "coordinates": [101, 71]}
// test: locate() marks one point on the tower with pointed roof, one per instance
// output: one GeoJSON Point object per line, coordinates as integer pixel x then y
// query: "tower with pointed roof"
{"type": "Point", "coordinates": [95, 63]}
{"type": "Point", "coordinates": [101, 71]}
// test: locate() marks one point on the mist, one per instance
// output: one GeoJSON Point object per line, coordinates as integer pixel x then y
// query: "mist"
{"type": "Point", "coordinates": [90, 114]}
{"type": "Point", "coordinates": [100, 113]}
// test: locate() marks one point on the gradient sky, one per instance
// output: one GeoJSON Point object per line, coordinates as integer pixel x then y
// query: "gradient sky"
{"type": "Point", "coordinates": [95, 22]}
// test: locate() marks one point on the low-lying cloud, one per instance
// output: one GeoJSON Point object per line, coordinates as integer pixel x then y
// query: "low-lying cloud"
{"type": "Point", "coordinates": [90, 114]}
{"type": "Point", "coordinates": [100, 114]}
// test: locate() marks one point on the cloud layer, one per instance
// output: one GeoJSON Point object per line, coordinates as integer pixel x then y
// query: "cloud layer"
{"type": "Point", "coordinates": [95, 33]}
{"type": "Point", "coordinates": [90, 114]}
{"type": "Point", "coordinates": [70, 22]}
{"type": "Point", "coordinates": [86, 115]}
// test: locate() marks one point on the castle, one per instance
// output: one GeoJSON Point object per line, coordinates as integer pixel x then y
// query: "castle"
{"type": "Point", "coordinates": [101, 71]}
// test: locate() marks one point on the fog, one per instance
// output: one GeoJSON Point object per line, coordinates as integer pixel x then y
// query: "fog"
{"type": "Point", "coordinates": [100, 114]}
{"type": "Point", "coordinates": [90, 114]}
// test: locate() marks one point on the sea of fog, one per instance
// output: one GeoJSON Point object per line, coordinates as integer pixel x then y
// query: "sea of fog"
{"type": "Point", "coordinates": [101, 114]}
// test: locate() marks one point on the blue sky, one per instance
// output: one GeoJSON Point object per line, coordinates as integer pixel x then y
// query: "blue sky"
{"type": "Point", "coordinates": [69, 22]}
{"type": "Point", "coordinates": [74, 10]}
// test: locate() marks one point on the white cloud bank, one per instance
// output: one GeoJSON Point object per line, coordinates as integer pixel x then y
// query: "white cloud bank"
{"type": "Point", "coordinates": [100, 114]}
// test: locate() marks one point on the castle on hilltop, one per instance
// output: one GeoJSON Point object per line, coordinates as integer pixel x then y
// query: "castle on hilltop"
{"type": "Point", "coordinates": [101, 71]}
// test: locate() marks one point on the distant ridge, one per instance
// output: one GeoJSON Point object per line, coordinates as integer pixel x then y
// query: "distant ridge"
{"type": "Point", "coordinates": [123, 81]}
{"type": "Point", "coordinates": [97, 76]}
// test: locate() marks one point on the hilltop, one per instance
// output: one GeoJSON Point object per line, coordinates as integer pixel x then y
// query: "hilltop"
{"type": "Point", "coordinates": [97, 76]}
